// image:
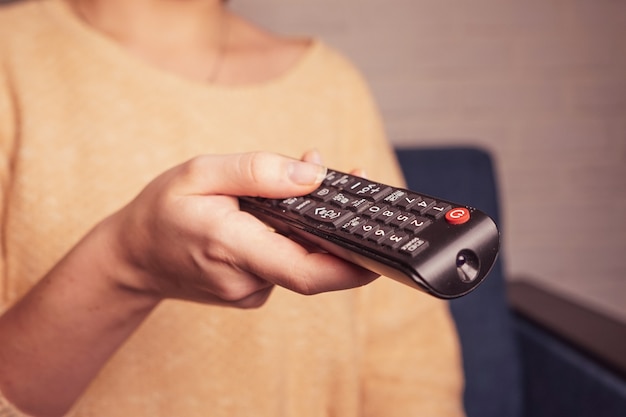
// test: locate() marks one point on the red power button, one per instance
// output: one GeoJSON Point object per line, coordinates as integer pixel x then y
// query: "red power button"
{"type": "Point", "coordinates": [458, 215]}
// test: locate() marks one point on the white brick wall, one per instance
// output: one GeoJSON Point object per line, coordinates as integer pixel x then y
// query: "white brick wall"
{"type": "Point", "coordinates": [541, 83]}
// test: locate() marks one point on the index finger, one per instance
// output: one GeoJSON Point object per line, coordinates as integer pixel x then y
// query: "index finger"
{"type": "Point", "coordinates": [286, 263]}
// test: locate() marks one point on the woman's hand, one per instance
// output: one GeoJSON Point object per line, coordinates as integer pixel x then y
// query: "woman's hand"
{"type": "Point", "coordinates": [185, 237]}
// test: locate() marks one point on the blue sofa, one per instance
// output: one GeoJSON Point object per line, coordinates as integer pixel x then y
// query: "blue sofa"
{"type": "Point", "coordinates": [523, 355]}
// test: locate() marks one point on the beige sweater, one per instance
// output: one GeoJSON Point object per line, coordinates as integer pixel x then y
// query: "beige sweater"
{"type": "Point", "coordinates": [84, 126]}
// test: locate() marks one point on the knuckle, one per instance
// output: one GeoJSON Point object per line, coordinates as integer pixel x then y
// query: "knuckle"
{"type": "Point", "coordinates": [257, 166]}
{"type": "Point", "coordinates": [195, 166]}
{"type": "Point", "coordinates": [186, 175]}
{"type": "Point", "coordinates": [303, 282]}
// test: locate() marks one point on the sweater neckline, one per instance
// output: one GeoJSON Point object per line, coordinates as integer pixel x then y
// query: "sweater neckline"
{"type": "Point", "coordinates": [115, 54]}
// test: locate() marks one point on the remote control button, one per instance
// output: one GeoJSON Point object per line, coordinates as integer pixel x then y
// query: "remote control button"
{"type": "Point", "coordinates": [458, 215]}
{"type": "Point", "coordinates": [290, 202]}
{"type": "Point", "coordinates": [342, 181]}
{"type": "Point", "coordinates": [408, 200]}
{"type": "Point", "coordinates": [323, 193]}
{"type": "Point", "coordinates": [417, 224]}
{"type": "Point", "coordinates": [371, 190]}
{"type": "Point", "coordinates": [424, 204]}
{"type": "Point", "coordinates": [328, 215]}
{"type": "Point", "coordinates": [401, 219]}
{"type": "Point", "coordinates": [364, 229]}
{"type": "Point", "coordinates": [340, 199]}
{"type": "Point", "coordinates": [380, 233]}
{"type": "Point", "coordinates": [395, 197]}
{"type": "Point", "coordinates": [334, 178]}
{"type": "Point", "coordinates": [414, 246]}
{"type": "Point", "coordinates": [352, 224]}
{"type": "Point", "coordinates": [359, 205]}
{"type": "Point", "coordinates": [395, 239]}
{"type": "Point", "coordinates": [387, 215]}
{"type": "Point", "coordinates": [302, 205]}
{"type": "Point", "coordinates": [437, 211]}
{"type": "Point", "coordinates": [374, 210]}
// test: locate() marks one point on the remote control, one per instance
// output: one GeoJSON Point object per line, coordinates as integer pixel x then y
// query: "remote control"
{"type": "Point", "coordinates": [437, 246]}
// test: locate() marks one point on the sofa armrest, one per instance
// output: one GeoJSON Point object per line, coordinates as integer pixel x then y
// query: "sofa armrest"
{"type": "Point", "coordinates": [573, 358]}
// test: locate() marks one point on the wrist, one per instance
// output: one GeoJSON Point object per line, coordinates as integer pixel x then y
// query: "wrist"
{"type": "Point", "coordinates": [115, 267]}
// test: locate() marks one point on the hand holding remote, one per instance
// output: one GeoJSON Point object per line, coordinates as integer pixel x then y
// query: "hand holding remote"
{"type": "Point", "coordinates": [185, 237]}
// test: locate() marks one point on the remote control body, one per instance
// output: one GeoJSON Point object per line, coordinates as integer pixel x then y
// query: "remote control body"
{"type": "Point", "coordinates": [437, 246]}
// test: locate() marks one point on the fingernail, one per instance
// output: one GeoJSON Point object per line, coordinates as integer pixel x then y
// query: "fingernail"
{"type": "Point", "coordinates": [306, 173]}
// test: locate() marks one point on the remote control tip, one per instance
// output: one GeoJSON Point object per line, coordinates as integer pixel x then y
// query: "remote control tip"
{"type": "Point", "coordinates": [467, 265]}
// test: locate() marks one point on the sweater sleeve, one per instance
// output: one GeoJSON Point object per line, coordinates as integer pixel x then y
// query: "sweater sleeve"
{"type": "Point", "coordinates": [411, 356]}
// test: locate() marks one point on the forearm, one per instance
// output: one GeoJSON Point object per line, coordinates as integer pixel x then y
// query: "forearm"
{"type": "Point", "coordinates": [60, 334]}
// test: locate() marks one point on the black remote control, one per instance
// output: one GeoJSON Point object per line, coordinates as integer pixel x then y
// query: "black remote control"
{"type": "Point", "coordinates": [437, 246]}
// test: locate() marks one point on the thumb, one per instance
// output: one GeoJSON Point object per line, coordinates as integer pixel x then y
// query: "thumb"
{"type": "Point", "coordinates": [257, 174]}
